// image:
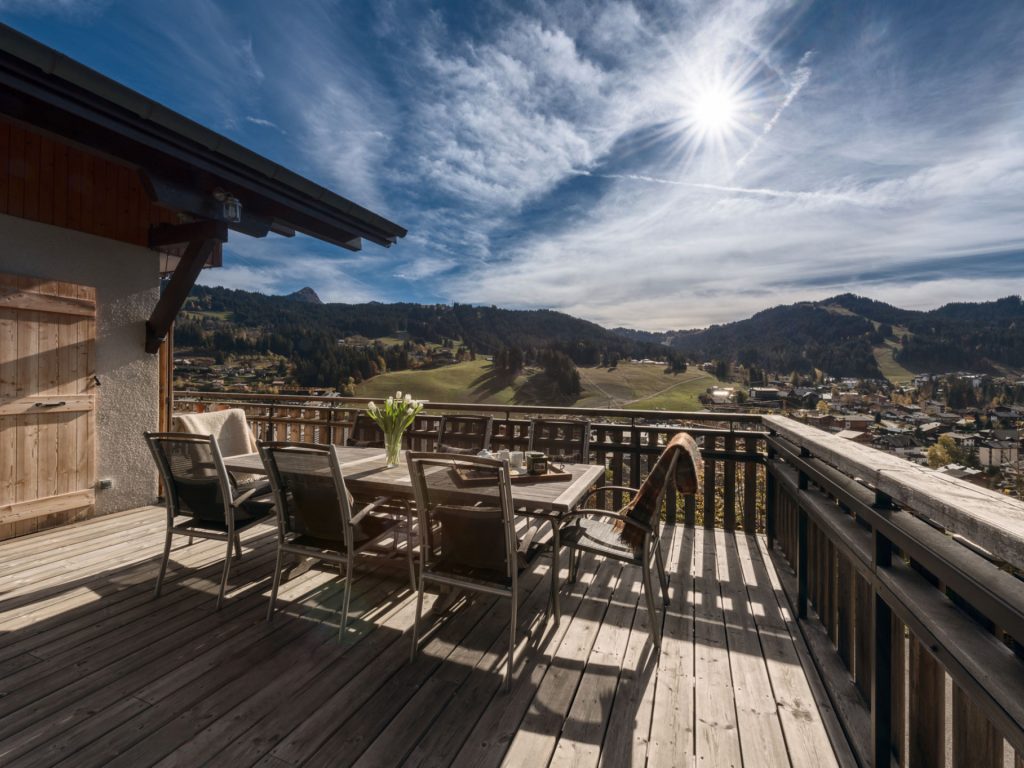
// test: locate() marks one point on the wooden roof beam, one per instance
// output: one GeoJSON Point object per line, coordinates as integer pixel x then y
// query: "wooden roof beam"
{"type": "Point", "coordinates": [173, 298]}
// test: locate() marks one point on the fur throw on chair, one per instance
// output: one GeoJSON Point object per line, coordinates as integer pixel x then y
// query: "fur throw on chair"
{"type": "Point", "coordinates": [682, 453]}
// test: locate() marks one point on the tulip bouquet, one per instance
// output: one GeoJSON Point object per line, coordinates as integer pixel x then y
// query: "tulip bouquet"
{"type": "Point", "coordinates": [396, 416]}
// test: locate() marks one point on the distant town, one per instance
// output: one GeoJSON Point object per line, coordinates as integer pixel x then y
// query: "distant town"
{"type": "Point", "coordinates": [966, 425]}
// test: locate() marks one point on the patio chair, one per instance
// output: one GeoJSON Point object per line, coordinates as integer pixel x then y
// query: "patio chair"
{"type": "Point", "coordinates": [471, 547]}
{"type": "Point", "coordinates": [464, 434]}
{"type": "Point", "coordinates": [315, 515]}
{"type": "Point", "coordinates": [632, 535]}
{"type": "Point", "coordinates": [562, 440]}
{"type": "Point", "coordinates": [230, 428]}
{"type": "Point", "coordinates": [208, 501]}
{"type": "Point", "coordinates": [365, 433]}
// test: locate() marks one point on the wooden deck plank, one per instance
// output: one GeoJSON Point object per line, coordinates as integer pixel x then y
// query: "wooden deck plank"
{"type": "Point", "coordinates": [629, 732]}
{"type": "Point", "coordinates": [497, 726]}
{"type": "Point", "coordinates": [108, 731]}
{"type": "Point", "coordinates": [760, 731]}
{"type": "Point", "coordinates": [718, 742]}
{"type": "Point", "coordinates": [800, 711]}
{"type": "Point", "coordinates": [584, 729]}
{"type": "Point", "coordinates": [417, 719]}
{"type": "Point", "coordinates": [191, 700]}
{"type": "Point", "coordinates": [90, 607]}
{"type": "Point", "coordinates": [672, 727]}
{"type": "Point", "coordinates": [535, 740]}
{"type": "Point", "coordinates": [107, 676]}
{"type": "Point", "coordinates": [96, 672]}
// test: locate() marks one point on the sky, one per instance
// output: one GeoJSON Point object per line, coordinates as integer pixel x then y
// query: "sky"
{"type": "Point", "coordinates": [655, 165]}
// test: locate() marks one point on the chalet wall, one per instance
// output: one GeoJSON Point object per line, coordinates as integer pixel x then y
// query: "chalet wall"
{"type": "Point", "coordinates": [127, 288]}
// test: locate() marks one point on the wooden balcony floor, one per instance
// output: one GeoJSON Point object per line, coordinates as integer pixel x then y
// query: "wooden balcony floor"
{"type": "Point", "coordinates": [93, 671]}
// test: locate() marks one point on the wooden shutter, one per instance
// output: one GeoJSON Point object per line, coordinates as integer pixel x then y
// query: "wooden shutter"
{"type": "Point", "coordinates": [47, 403]}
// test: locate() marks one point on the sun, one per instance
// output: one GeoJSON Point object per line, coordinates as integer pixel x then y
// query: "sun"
{"type": "Point", "coordinates": [713, 113]}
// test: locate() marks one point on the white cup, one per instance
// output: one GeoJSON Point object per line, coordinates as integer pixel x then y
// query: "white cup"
{"type": "Point", "coordinates": [515, 459]}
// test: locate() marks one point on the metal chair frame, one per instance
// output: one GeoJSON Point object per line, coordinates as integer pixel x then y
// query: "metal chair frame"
{"type": "Point", "coordinates": [418, 461]}
{"type": "Point", "coordinates": [192, 527]}
{"type": "Point", "coordinates": [345, 554]}
{"type": "Point", "coordinates": [650, 551]}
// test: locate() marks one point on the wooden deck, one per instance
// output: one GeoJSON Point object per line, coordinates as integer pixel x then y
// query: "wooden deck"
{"type": "Point", "coordinates": [93, 671]}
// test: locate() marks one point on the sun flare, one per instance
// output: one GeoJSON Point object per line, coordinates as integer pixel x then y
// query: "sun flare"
{"type": "Point", "coordinates": [713, 114]}
{"type": "Point", "coordinates": [715, 111]}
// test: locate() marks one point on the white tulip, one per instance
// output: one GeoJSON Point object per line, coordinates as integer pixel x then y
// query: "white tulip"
{"type": "Point", "coordinates": [398, 395]}
{"type": "Point", "coordinates": [408, 398]}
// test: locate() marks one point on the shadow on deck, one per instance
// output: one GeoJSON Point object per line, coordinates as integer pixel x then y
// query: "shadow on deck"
{"type": "Point", "coordinates": [93, 671]}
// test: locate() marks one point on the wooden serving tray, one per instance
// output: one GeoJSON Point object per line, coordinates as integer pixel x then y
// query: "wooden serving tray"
{"type": "Point", "coordinates": [487, 476]}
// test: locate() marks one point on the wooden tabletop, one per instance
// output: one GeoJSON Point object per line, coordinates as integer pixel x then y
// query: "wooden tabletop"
{"type": "Point", "coordinates": [367, 475]}
{"type": "Point", "coordinates": [349, 455]}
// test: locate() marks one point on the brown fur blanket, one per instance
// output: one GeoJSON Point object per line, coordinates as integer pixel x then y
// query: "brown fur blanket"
{"type": "Point", "coordinates": [647, 502]}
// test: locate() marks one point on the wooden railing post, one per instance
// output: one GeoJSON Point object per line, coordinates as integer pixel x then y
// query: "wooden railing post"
{"type": "Point", "coordinates": [881, 680]}
{"type": "Point", "coordinates": [634, 454]}
{"type": "Point", "coordinates": [801, 544]}
{"type": "Point", "coordinates": [729, 485]}
{"type": "Point", "coordinates": [770, 500]}
{"type": "Point", "coordinates": [750, 486]}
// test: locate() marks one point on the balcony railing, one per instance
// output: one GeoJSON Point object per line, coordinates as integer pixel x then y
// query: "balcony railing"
{"type": "Point", "coordinates": [906, 582]}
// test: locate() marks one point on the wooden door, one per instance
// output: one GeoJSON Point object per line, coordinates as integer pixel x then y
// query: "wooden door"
{"type": "Point", "coordinates": [47, 403]}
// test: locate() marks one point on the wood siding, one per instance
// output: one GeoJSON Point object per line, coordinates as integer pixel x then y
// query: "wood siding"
{"type": "Point", "coordinates": [52, 182]}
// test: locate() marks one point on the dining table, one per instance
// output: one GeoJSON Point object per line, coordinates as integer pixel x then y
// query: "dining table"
{"type": "Point", "coordinates": [367, 474]}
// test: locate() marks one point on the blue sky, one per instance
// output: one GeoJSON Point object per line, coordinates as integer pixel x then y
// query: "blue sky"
{"type": "Point", "coordinates": [649, 164]}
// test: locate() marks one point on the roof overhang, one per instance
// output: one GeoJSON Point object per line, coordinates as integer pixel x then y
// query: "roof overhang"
{"type": "Point", "coordinates": [184, 166]}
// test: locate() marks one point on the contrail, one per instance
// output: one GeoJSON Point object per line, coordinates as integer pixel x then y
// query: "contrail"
{"type": "Point", "coordinates": [759, 191]}
{"type": "Point", "coordinates": [800, 77]}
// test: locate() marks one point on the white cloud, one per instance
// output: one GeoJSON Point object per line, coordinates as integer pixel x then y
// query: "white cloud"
{"type": "Point", "coordinates": [263, 123]}
{"type": "Point", "coordinates": [503, 121]}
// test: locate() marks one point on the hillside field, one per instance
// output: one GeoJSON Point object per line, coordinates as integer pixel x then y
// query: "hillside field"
{"type": "Point", "coordinates": [629, 385]}
{"type": "Point", "coordinates": [892, 370]}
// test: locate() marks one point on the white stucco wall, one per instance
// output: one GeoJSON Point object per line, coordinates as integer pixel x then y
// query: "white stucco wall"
{"type": "Point", "coordinates": [127, 288]}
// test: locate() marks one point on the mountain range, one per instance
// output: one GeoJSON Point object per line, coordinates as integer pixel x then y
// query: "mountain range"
{"type": "Point", "coordinates": [845, 335]}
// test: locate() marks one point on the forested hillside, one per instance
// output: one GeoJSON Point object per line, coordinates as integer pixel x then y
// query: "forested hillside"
{"type": "Point", "coordinates": [322, 341]}
{"type": "Point", "coordinates": [843, 335]}
{"type": "Point", "coordinates": [846, 335]}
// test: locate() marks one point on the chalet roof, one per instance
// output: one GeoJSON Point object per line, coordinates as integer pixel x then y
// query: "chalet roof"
{"type": "Point", "coordinates": [182, 163]}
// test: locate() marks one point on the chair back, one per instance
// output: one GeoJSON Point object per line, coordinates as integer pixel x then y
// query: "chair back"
{"type": "Point", "coordinates": [229, 427]}
{"type": "Point", "coordinates": [196, 484]}
{"type": "Point", "coordinates": [365, 433]}
{"type": "Point", "coordinates": [464, 541]}
{"type": "Point", "coordinates": [561, 439]}
{"type": "Point", "coordinates": [309, 490]}
{"type": "Point", "coordinates": [645, 507]}
{"type": "Point", "coordinates": [464, 434]}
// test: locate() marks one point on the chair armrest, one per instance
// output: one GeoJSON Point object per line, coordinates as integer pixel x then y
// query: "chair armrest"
{"type": "Point", "coordinates": [373, 505]}
{"type": "Point", "coordinates": [617, 516]}
{"type": "Point", "coordinates": [599, 489]}
{"type": "Point", "coordinates": [244, 497]}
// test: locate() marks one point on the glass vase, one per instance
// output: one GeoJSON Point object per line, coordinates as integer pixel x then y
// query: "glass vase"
{"type": "Point", "coordinates": [392, 447]}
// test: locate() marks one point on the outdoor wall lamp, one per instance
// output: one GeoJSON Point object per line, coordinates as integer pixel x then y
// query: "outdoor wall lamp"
{"type": "Point", "coordinates": [231, 206]}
